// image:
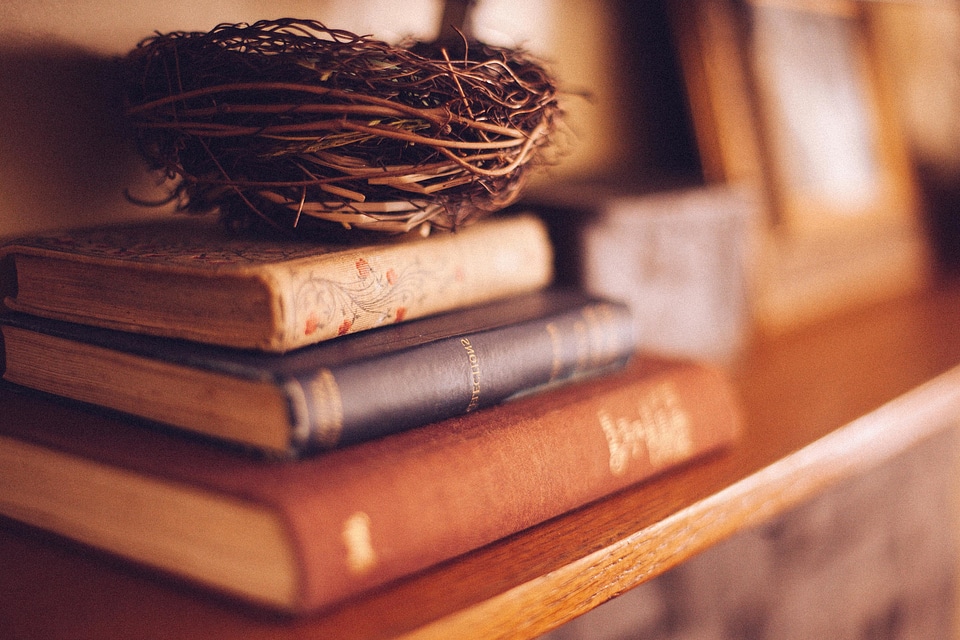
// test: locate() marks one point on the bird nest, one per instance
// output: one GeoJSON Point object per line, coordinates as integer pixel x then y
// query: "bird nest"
{"type": "Point", "coordinates": [287, 120]}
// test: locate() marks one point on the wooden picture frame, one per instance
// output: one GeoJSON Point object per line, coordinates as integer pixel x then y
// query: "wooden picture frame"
{"type": "Point", "coordinates": [832, 161]}
{"type": "Point", "coordinates": [787, 97]}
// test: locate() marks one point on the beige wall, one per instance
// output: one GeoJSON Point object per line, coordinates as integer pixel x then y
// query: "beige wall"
{"type": "Point", "coordinates": [65, 159]}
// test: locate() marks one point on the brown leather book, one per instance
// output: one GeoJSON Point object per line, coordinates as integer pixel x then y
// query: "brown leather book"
{"type": "Point", "coordinates": [301, 535]}
{"type": "Point", "coordinates": [189, 278]}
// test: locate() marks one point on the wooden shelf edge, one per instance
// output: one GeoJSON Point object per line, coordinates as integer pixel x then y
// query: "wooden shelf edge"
{"type": "Point", "coordinates": [580, 586]}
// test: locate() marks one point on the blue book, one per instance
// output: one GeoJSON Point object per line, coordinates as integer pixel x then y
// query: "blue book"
{"type": "Point", "coordinates": [334, 393]}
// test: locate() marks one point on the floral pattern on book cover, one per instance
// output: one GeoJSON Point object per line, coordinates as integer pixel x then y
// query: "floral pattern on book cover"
{"type": "Point", "coordinates": [373, 294]}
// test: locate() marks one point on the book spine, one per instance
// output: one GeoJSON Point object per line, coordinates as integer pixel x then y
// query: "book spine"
{"type": "Point", "coordinates": [456, 375]}
{"type": "Point", "coordinates": [404, 503]}
{"type": "Point", "coordinates": [355, 291]}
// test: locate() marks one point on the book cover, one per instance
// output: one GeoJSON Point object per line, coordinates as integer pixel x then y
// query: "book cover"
{"type": "Point", "coordinates": [334, 393]}
{"type": "Point", "coordinates": [190, 278]}
{"type": "Point", "coordinates": [303, 535]}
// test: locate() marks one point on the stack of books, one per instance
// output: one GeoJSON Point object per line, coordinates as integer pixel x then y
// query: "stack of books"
{"type": "Point", "coordinates": [295, 424]}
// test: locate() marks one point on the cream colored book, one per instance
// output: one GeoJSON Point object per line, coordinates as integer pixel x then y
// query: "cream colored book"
{"type": "Point", "coordinates": [189, 278]}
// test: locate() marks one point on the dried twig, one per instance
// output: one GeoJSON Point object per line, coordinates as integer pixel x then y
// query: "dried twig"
{"type": "Point", "coordinates": [287, 118]}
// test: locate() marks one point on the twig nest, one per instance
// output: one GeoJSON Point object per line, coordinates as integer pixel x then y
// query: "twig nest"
{"type": "Point", "coordinates": [287, 120]}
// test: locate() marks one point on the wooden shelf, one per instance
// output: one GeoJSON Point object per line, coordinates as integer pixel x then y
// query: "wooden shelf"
{"type": "Point", "coordinates": [823, 404]}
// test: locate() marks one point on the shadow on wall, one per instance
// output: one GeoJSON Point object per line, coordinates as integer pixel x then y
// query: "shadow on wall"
{"type": "Point", "coordinates": [65, 157]}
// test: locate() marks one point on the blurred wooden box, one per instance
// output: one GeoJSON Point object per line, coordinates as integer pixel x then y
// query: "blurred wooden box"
{"type": "Point", "coordinates": [680, 257]}
{"type": "Point", "coordinates": [787, 99]}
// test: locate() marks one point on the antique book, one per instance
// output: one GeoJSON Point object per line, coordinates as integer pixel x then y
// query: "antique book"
{"type": "Point", "coordinates": [190, 278]}
{"type": "Point", "coordinates": [337, 392]}
{"type": "Point", "coordinates": [302, 535]}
